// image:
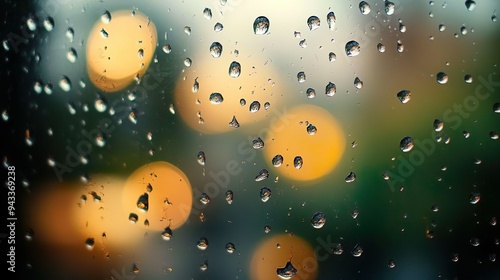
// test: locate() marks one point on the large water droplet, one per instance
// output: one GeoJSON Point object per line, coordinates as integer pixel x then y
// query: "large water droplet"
{"type": "Point", "coordinates": [352, 48]}
{"type": "Point", "coordinates": [442, 78]}
{"type": "Point", "coordinates": [470, 5]}
{"type": "Point", "coordinates": [202, 244]}
{"type": "Point", "coordinates": [234, 69]}
{"type": "Point", "coordinates": [313, 22]}
{"type": "Point", "coordinates": [277, 160]}
{"type": "Point", "coordinates": [318, 220]}
{"type": "Point", "coordinates": [262, 175]}
{"type": "Point", "coordinates": [106, 17]}
{"type": "Point", "coordinates": [389, 8]}
{"type": "Point", "coordinates": [404, 96]}
{"type": "Point", "coordinates": [286, 272]}
{"type": "Point", "coordinates": [216, 98]}
{"type": "Point", "coordinates": [265, 194]}
{"type": "Point", "coordinates": [406, 144]}
{"type": "Point", "coordinates": [364, 8]}
{"type": "Point", "coordinates": [261, 25]}
{"type": "Point", "coordinates": [298, 162]}
{"type": "Point", "coordinates": [207, 13]}
{"type": "Point", "coordinates": [216, 49]}
{"type": "Point", "coordinates": [310, 93]}
{"type": "Point", "coordinates": [258, 143]}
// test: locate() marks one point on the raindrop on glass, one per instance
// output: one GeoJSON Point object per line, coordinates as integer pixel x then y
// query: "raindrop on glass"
{"type": "Point", "coordinates": [470, 5]}
{"type": "Point", "coordinates": [207, 13]}
{"type": "Point", "coordinates": [265, 194]}
{"type": "Point", "coordinates": [89, 243]}
{"type": "Point", "coordinates": [311, 129]}
{"type": "Point", "coordinates": [229, 196]}
{"type": "Point", "coordinates": [351, 177]}
{"type": "Point", "coordinates": [48, 23]}
{"type": "Point", "coordinates": [313, 23]}
{"type": "Point", "coordinates": [381, 47]}
{"type": "Point", "coordinates": [310, 93]}
{"type": "Point", "coordinates": [277, 160]}
{"type": "Point", "coordinates": [352, 48]}
{"type": "Point", "coordinates": [389, 8]}
{"type": "Point", "coordinates": [65, 84]}
{"type": "Point", "coordinates": [188, 62]}
{"type": "Point", "coordinates": [167, 234]}
{"type": "Point", "coordinates": [261, 25]}
{"type": "Point", "coordinates": [438, 125]}
{"type": "Point", "coordinates": [442, 78]}
{"type": "Point", "coordinates": [364, 8]}
{"type": "Point", "coordinates": [234, 122]}
{"type": "Point", "coordinates": [301, 77]}
{"type": "Point", "coordinates": [357, 251]}
{"type": "Point", "coordinates": [468, 79]}
{"type": "Point", "coordinates": [143, 202]}
{"type": "Point", "coordinates": [71, 55]}
{"type": "Point", "coordinates": [201, 158]}
{"type": "Point", "coordinates": [298, 162]}
{"type": "Point", "coordinates": [406, 144]}
{"type": "Point", "coordinates": [230, 248]}
{"type": "Point", "coordinates": [216, 98]}
{"type": "Point", "coordinates": [254, 106]}
{"type": "Point", "coordinates": [187, 30]}
{"type": "Point", "coordinates": [218, 27]}
{"type": "Point", "coordinates": [474, 198]}
{"type": "Point", "coordinates": [202, 244]}
{"type": "Point", "coordinates": [204, 198]}
{"type": "Point", "coordinates": [262, 175]}
{"type": "Point", "coordinates": [358, 83]}
{"type": "Point", "coordinates": [234, 69]}
{"type": "Point", "coordinates": [258, 143]}
{"type": "Point", "coordinates": [286, 272]}
{"type": "Point", "coordinates": [332, 57]}
{"type": "Point", "coordinates": [404, 96]}
{"type": "Point", "coordinates": [330, 89]}
{"type": "Point", "coordinates": [70, 34]}
{"type": "Point", "coordinates": [106, 17]}
{"type": "Point", "coordinates": [318, 220]}
{"type": "Point", "coordinates": [216, 49]}
{"type": "Point", "coordinates": [167, 48]}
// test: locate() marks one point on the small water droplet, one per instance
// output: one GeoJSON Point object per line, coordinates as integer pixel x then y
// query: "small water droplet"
{"type": "Point", "coordinates": [404, 96]}
{"type": "Point", "coordinates": [254, 106]}
{"type": "Point", "coordinates": [48, 23]}
{"type": "Point", "coordinates": [301, 77]}
{"type": "Point", "coordinates": [71, 55]}
{"type": "Point", "coordinates": [204, 198]}
{"type": "Point", "coordinates": [234, 122]}
{"type": "Point", "coordinates": [143, 202]}
{"type": "Point", "coordinates": [474, 198]}
{"type": "Point", "coordinates": [358, 83]}
{"type": "Point", "coordinates": [442, 78]}
{"type": "Point", "coordinates": [218, 27]}
{"type": "Point", "coordinates": [229, 196]}
{"type": "Point", "coordinates": [330, 89]}
{"type": "Point", "coordinates": [167, 48]}
{"type": "Point", "coordinates": [216, 49]}
{"type": "Point", "coordinates": [89, 243]}
{"type": "Point", "coordinates": [331, 20]}
{"type": "Point", "coordinates": [277, 160]}
{"type": "Point", "coordinates": [230, 248]}
{"type": "Point", "coordinates": [310, 93]}
{"type": "Point", "coordinates": [391, 264]}
{"type": "Point", "coordinates": [357, 251]}
{"type": "Point", "coordinates": [167, 234]}
{"type": "Point", "coordinates": [438, 125]}
{"type": "Point", "coordinates": [201, 158]}
{"type": "Point", "coordinates": [207, 13]}
{"type": "Point", "coordinates": [258, 143]}
{"type": "Point", "coordinates": [381, 47]}
{"type": "Point", "coordinates": [265, 194]}
{"type": "Point", "coordinates": [187, 30]}
{"type": "Point", "coordinates": [106, 17]}
{"type": "Point", "coordinates": [202, 244]}
{"type": "Point", "coordinates": [298, 162]}
{"type": "Point", "coordinates": [262, 175]}
{"type": "Point", "coordinates": [468, 79]}
{"type": "Point", "coordinates": [104, 34]}
{"type": "Point", "coordinates": [389, 8]}
{"type": "Point", "coordinates": [364, 8]}
{"type": "Point", "coordinates": [311, 129]}
{"type": "Point", "coordinates": [188, 62]}
{"type": "Point", "coordinates": [332, 57]}
{"type": "Point", "coordinates": [470, 5]}
{"type": "Point", "coordinates": [65, 84]}
{"type": "Point", "coordinates": [216, 98]}
{"type": "Point", "coordinates": [351, 177]}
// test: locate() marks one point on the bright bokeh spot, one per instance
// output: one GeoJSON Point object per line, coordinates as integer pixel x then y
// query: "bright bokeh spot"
{"type": "Point", "coordinates": [120, 50]}
{"type": "Point", "coordinates": [169, 200]}
{"type": "Point", "coordinates": [257, 82]}
{"type": "Point", "coordinates": [276, 251]}
{"type": "Point", "coordinates": [321, 151]}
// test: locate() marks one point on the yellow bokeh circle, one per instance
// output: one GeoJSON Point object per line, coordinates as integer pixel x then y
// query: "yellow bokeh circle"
{"type": "Point", "coordinates": [320, 151]}
{"type": "Point", "coordinates": [276, 251]}
{"type": "Point", "coordinates": [169, 196]}
{"type": "Point", "coordinates": [120, 51]}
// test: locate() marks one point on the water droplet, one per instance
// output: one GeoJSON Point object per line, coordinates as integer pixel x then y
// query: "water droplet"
{"type": "Point", "coordinates": [48, 23]}
{"type": "Point", "coordinates": [70, 34]}
{"type": "Point", "coordinates": [230, 248]}
{"type": "Point", "coordinates": [475, 241]}
{"type": "Point", "coordinates": [330, 89]}
{"type": "Point", "coordinates": [318, 220]}
{"type": "Point", "coordinates": [331, 20]}
{"type": "Point", "coordinates": [262, 175]}
{"type": "Point", "coordinates": [216, 98]}
{"type": "Point", "coordinates": [216, 49]}
{"type": "Point", "coordinates": [167, 234]}
{"type": "Point", "coordinates": [286, 272]}
{"type": "Point", "coordinates": [187, 30]}
{"type": "Point", "coordinates": [261, 25]}
{"type": "Point", "coordinates": [496, 107]}
{"type": "Point", "coordinates": [258, 143]}
{"type": "Point", "coordinates": [354, 213]}
{"type": "Point", "coordinates": [310, 93]}
{"type": "Point", "coordinates": [352, 48]}
{"type": "Point", "coordinates": [494, 135]}
{"type": "Point", "coordinates": [468, 79]}
{"type": "Point", "coordinates": [470, 5]}
{"type": "Point", "coordinates": [71, 55]}
{"type": "Point", "coordinates": [435, 208]}
{"type": "Point", "coordinates": [104, 34]}
{"type": "Point", "coordinates": [303, 43]}
{"type": "Point", "coordinates": [474, 198]}
{"type": "Point", "coordinates": [389, 8]}
{"type": "Point", "coordinates": [277, 160]}
{"type": "Point", "coordinates": [381, 47]}
{"type": "Point", "coordinates": [234, 69]}
{"type": "Point", "coordinates": [234, 122]}
{"type": "Point", "coordinates": [167, 48]}
{"type": "Point", "coordinates": [454, 257]}
{"type": "Point", "coordinates": [31, 23]}
{"type": "Point", "coordinates": [143, 202]}
{"type": "Point", "coordinates": [267, 229]}
{"type": "Point", "coordinates": [218, 27]}
{"type": "Point", "coordinates": [337, 249]}
{"type": "Point", "coordinates": [229, 196]}
{"type": "Point", "coordinates": [65, 84]}
{"type": "Point", "coordinates": [301, 77]}
{"type": "Point", "coordinates": [298, 162]}
{"type": "Point", "coordinates": [265, 194]}
{"type": "Point", "coordinates": [358, 83]}
{"type": "Point", "coordinates": [406, 144]}
{"type": "Point", "coordinates": [311, 129]}
{"type": "Point", "coordinates": [254, 106]}
{"type": "Point", "coordinates": [438, 125]}
{"type": "Point", "coordinates": [400, 47]}
{"type": "Point", "coordinates": [140, 53]}
{"type": "Point", "coordinates": [332, 57]}
{"type": "Point", "coordinates": [313, 22]}
{"type": "Point", "coordinates": [267, 105]}
{"type": "Point", "coordinates": [493, 221]}
{"type": "Point", "coordinates": [204, 198]}
{"type": "Point", "coordinates": [441, 27]}
{"type": "Point", "coordinates": [188, 62]}
{"type": "Point", "coordinates": [404, 96]}
{"type": "Point", "coordinates": [391, 264]}
{"type": "Point", "coordinates": [351, 177]}
{"type": "Point", "coordinates": [357, 251]}
{"type": "Point", "coordinates": [463, 30]}
{"type": "Point", "coordinates": [202, 244]}
{"type": "Point", "coordinates": [402, 28]}
{"type": "Point", "coordinates": [207, 13]}
{"type": "Point", "coordinates": [201, 158]}
{"type": "Point", "coordinates": [38, 87]}
{"type": "Point", "coordinates": [442, 78]}
{"type": "Point", "coordinates": [106, 17]}
{"type": "Point", "coordinates": [364, 8]}
{"type": "Point", "coordinates": [89, 243]}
